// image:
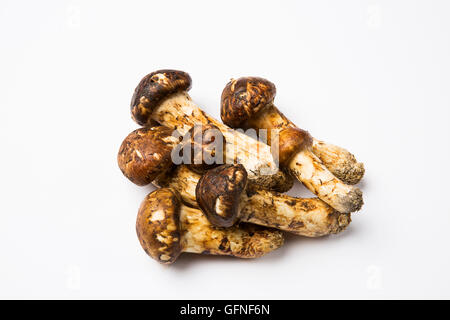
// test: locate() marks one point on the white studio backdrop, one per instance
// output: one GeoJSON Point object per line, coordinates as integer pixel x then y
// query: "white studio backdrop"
{"type": "Point", "coordinates": [371, 76]}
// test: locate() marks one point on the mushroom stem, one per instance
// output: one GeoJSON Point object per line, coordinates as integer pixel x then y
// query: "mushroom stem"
{"type": "Point", "coordinates": [243, 241]}
{"type": "Point", "coordinates": [340, 162]}
{"type": "Point", "coordinates": [301, 216]}
{"type": "Point", "coordinates": [179, 112]}
{"type": "Point", "coordinates": [308, 169]}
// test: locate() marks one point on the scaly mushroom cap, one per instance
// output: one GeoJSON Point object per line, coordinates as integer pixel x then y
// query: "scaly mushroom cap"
{"type": "Point", "coordinates": [145, 153]}
{"type": "Point", "coordinates": [153, 89]}
{"type": "Point", "coordinates": [157, 225]}
{"type": "Point", "coordinates": [290, 142]}
{"type": "Point", "coordinates": [202, 144]}
{"type": "Point", "coordinates": [218, 194]}
{"type": "Point", "coordinates": [243, 98]}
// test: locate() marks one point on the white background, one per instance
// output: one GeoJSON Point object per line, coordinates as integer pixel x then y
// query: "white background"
{"type": "Point", "coordinates": [372, 76]}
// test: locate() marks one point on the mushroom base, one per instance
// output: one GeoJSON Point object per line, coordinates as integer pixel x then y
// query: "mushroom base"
{"type": "Point", "coordinates": [339, 161]}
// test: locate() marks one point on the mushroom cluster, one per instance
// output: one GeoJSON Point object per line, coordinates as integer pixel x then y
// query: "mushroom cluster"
{"type": "Point", "coordinates": [230, 200]}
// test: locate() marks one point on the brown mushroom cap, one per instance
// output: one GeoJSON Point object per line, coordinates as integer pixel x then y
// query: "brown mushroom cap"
{"type": "Point", "coordinates": [243, 98]}
{"type": "Point", "coordinates": [145, 153]}
{"type": "Point", "coordinates": [158, 225]}
{"type": "Point", "coordinates": [218, 193]}
{"type": "Point", "coordinates": [153, 89]}
{"type": "Point", "coordinates": [202, 143]}
{"type": "Point", "coordinates": [291, 141]}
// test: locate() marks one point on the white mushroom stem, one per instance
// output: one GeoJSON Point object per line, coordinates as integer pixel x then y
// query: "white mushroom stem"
{"type": "Point", "coordinates": [245, 241]}
{"type": "Point", "coordinates": [305, 217]}
{"type": "Point", "coordinates": [179, 112]}
{"type": "Point", "coordinates": [308, 169]}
